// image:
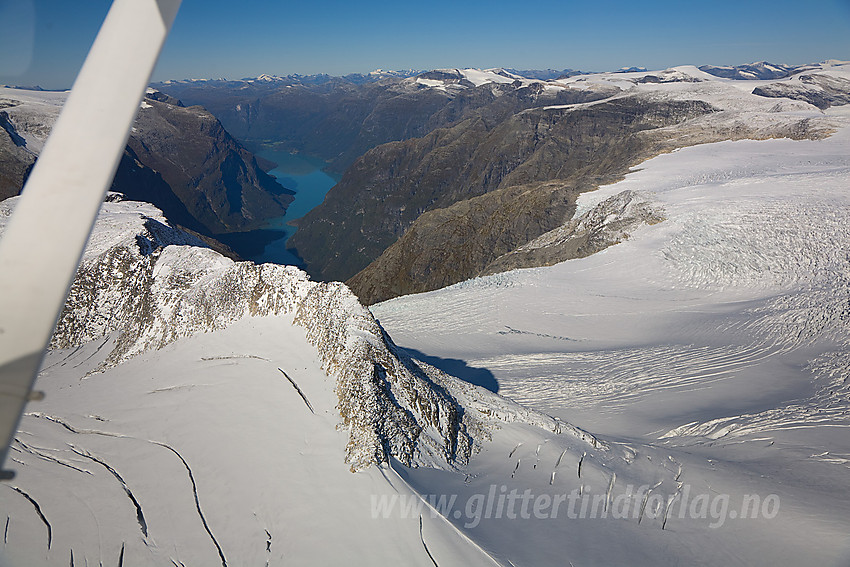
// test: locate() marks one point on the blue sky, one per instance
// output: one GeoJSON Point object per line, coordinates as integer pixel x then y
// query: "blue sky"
{"type": "Point", "coordinates": [44, 41]}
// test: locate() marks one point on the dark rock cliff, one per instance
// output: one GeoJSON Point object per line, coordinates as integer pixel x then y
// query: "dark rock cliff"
{"type": "Point", "coordinates": [180, 159]}
{"type": "Point", "coordinates": [382, 195]}
{"type": "Point", "coordinates": [15, 161]}
{"type": "Point", "coordinates": [217, 181]}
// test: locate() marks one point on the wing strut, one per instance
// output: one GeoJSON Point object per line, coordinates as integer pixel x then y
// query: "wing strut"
{"type": "Point", "coordinates": [47, 234]}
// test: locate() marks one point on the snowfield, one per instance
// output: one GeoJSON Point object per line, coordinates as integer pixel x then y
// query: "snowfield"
{"type": "Point", "coordinates": [32, 113]}
{"type": "Point", "coordinates": [680, 398]}
{"type": "Point", "coordinates": [206, 411]}
{"type": "Point", "coordinates": [720, 335]}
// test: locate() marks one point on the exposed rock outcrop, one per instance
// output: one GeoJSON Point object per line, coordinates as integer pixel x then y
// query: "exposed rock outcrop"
{"type": "Point", "coordinates": [15, 161]}
{"type": "Point", "coordinates": [218, 182]}
{"type": "Point", "coordinates": [819, 90]}
{"type": "Point", "coordinates": [608, 223]}
{"type": "Point", "coordinates": [143, 285]}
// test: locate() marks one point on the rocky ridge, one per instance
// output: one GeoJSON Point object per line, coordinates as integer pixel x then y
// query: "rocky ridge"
{"type": "Point", "coordinates": [751, 71]}
{"type": "Point", "coordinates": [608, 223]}
{"type": "Point", "coordinates": [818, 89]}
{"type": "Point", "coordinates": [143, 285]}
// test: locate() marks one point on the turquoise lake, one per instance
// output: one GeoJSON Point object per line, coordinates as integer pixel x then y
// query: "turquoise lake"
{"type": "Point", "coordinates": [302, 174]}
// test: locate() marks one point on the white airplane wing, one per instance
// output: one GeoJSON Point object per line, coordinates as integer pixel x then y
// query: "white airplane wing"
{"type": "Point", "coordinates": [47, 234]}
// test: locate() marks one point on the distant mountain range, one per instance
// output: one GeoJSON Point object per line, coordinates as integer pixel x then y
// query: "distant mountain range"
{"type": "Point", "coordinates": [760, 70]}
{"type": "Point", "coordinates": [752, 71]}
{"type": "Point", "coordinates": [443, 171]}
{"type": "Point", "coordinates": [448, 170]}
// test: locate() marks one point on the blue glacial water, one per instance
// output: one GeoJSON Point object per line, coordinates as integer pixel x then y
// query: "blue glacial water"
{"type": "Point", "coordinates": [302, 174]}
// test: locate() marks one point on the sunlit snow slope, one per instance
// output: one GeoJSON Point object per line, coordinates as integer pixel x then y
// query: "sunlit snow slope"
{"type": "Point", "coordinates": [720, 335]}
{"type": "Point", "coordinates": [200, 411]}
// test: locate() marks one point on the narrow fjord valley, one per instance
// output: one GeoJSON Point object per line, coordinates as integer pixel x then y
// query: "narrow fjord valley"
{"type": "Point", "coordinates": [467, 165]}
{"type": "Point", "coordinates": [608, 324]}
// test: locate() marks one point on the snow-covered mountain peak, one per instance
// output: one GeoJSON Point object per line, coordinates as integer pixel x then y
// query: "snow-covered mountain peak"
{"type": "Point", "coordinates": [826, 64]}
{"type": "Point", "coordinates": [238, 374]}
{"type": "Point", "coordinates": [385, 74]}
{"type": "Point", "coordinates": [265, 78]}
{"type": "Point", "coordinates": [457, 79]}
{"type": "Point", "coordinates": [480, 77]}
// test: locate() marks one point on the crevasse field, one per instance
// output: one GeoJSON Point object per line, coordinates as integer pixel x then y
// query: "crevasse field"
{"type": "Point", "coordinates": [713, 346]}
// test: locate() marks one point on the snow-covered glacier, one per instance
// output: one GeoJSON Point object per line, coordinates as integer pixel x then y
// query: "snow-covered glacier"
{"type": "Point", "coordinates": [202, 410]}
{"type": "Point", "coordinates": [719, 334]}
{"type": "Point", "coordinates": [693, 374]}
